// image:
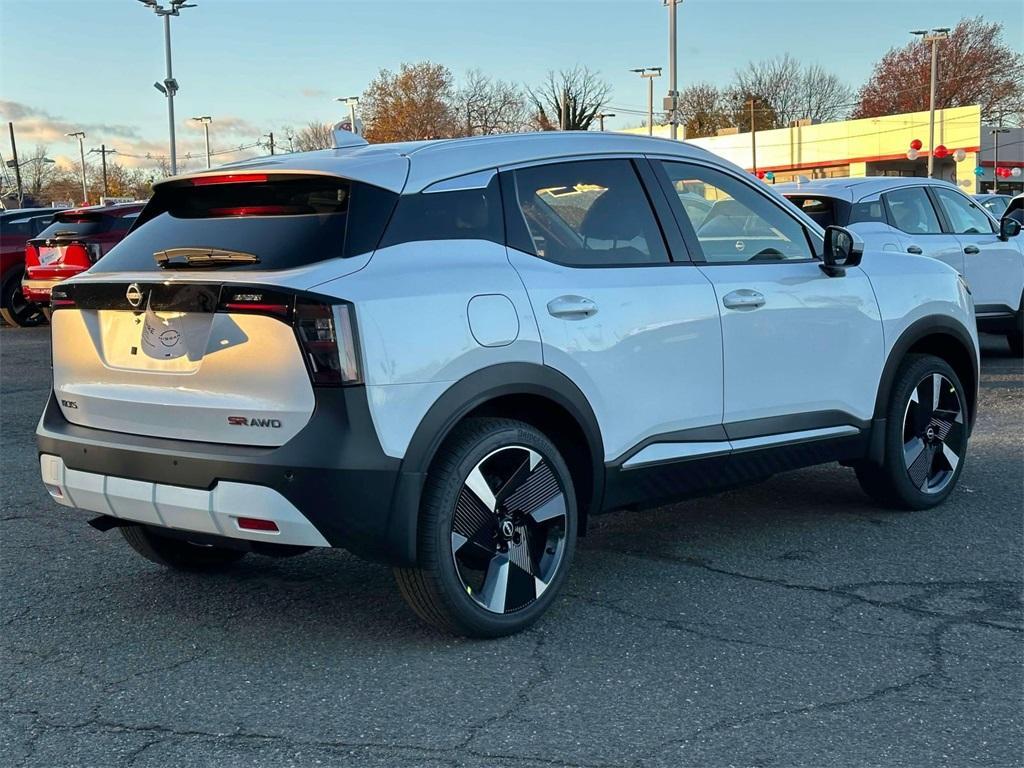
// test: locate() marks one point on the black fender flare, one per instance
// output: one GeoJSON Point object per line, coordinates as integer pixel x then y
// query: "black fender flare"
{"type": "Point", "coordinates": [461, 398]}
{"type": "Point", "coordinates": [922, 328]}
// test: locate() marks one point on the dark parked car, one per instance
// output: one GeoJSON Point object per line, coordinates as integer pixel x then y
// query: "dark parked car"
{"type": "Point", "coordinates": [75, 241]}
{"type": "Point", "coordinates": [16, 227]}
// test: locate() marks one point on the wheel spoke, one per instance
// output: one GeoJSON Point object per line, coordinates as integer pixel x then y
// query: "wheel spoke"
{"type": "Point", "coordinates": [517, 479]}
{"type": "Point", "coordinates": [477, 483]}
{"type": "Point", "coordinates": [936, 390]}
{"type": "Point", "coordinates": [912, 450]}
{"type": "Point", "coordinates": [495, 587]}
{"type": "Point", "coordinates": [549, 510]}
{"type": "Point", "coordinates": [951, 457]}
{"type": "Point", "coordinates": [521, 588]}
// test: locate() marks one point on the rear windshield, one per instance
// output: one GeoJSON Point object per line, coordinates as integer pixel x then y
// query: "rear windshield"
{"type": "Point", "coordinates": [283, 221]}
{"type": "Point", "coordinates": [69, 226]}
{"type": "Point", "coordinates": [824, 211]}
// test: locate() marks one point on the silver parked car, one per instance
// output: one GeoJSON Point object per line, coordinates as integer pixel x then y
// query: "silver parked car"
{"type": "Point", "coordinates": [932, 218]}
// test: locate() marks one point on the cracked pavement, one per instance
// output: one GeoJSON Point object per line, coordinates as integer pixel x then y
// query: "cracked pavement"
{"type": "Point", "coordinates": [787, 624]}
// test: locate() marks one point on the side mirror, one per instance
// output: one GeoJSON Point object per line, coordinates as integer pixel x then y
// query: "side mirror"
{"type": "Point", "coordinates": [842, 249]}
{"type": "Point", "coordinates": [1008, 227]}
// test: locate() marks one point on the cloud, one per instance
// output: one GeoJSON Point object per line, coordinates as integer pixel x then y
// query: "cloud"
{"type": "Point", "coordinates": [227, 125]}
{"type": "Point", "coordinates": [41, 127]}
{"type": "Point", "coordinates": [314, 93]}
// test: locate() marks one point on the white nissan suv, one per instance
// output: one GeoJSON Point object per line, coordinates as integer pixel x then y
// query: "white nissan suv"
{"type": "Point", "coordinates": [447, 355]}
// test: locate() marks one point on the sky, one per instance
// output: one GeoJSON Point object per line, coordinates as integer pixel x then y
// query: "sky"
{"type": "Point", "coordinates": [260, 65]}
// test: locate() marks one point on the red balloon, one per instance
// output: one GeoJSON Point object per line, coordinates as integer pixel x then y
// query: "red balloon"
{"type": "Point", "coordinates": [916, 144]}
{"type": "Point", "coordinates": [941, 151]}
{"type": "Point", "coordinates": [760, 174]}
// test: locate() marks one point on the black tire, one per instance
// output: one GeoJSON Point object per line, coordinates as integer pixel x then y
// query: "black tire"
{"type": "Point", "coordinates": [1016, 338]}
{"type": "Point", "coordinates": [925, 443]}
{"type": "Point", "coordinates": [14, 308]}
{"type": "Point", "coordinates": [177, 553]}
{"type": "Point", "coordinates": [520, 528]}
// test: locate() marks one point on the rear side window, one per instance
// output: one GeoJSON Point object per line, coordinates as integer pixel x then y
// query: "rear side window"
{"type": "Point", "coordinates": [867, 211]}
{"type": "Point", "coordinates": [283, 221]}
{"type": "Point", "coordinates": [453, 214]}
{"type": "Point", "coordinates": [823, 211]}
{"type": "Point", "coordinates": [911, 211]}
{"type": "Point", "coordinates": [586, 213]}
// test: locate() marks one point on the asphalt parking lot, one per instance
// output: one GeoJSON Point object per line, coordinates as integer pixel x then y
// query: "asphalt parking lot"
{"type": "Point", "coordinates": [787, 624]}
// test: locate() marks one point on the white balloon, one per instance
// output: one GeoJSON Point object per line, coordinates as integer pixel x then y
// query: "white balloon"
{"type": "Point", "coordinates": [913, 154]}
{"type": "Point", "coordinates": [1015, 172]}
{"type": "Point", "coordinates": [959, 155]}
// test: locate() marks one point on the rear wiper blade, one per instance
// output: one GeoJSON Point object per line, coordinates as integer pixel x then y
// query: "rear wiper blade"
{"type": "Point", "coordinates": [176, 258]}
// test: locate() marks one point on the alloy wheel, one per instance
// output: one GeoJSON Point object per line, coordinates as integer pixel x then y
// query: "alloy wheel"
{"type": "Point", "coordinates": [508, 535]}
{"type": "Point", "coordinates": [934, 433]}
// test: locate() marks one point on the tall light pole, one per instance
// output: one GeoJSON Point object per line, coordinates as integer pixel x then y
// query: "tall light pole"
{"type": "Point", "coordinates": [672, 102]}
{"type": "Point", "coordinates": [80, 135]}
{"type": "Point", "coordinates": [103, 152]}
{"type": "Point", "coordinates": [351, 102]}
{"type": "Point", "coordinates": [934, 37]}
{"type": "Point", "coordinates": [650, 73]}
{"type": "Point", "coordinates": [206, 120]}
{"type": "Point", "coordinates": [995, 157]}
{"type": "Point", "coordinates": [601, 116]}
{"type": "Point", "coordinates": [169, 87]}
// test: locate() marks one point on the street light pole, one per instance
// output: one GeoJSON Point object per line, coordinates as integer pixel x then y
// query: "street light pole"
{"type": "Point", "coordinates": [601, 116]}
{"type": "Point", "coordinates": [351, 102]}
{"type": "Point", "coordinates": [673, 92]}
{"type": "Point", "coordinates": [934, 37]}
{"type": "Point", "coordinates": [169, 87]}
{"type": "Point", "coordinates": [17, 168]}
{"type": "Point", "coordinates": [995, 157]}
{"type": "Point", "coordinates": [81, 151]}
{"type": "Point", "coordinates": [650, 73]}
{"type": "Point", "coordinates": [206, 120]}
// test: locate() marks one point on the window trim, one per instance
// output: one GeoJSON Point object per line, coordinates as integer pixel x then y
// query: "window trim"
{"type": "Point", "coordinates": [515, 221]}
{"type": "Point", "coordinates": [689, 234]}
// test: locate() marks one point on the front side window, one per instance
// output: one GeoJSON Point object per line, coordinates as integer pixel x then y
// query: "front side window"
{"type": "Point", "coordinates": [739, 223]}
{"type": "Point", "coordinates": [995, 205]}
{"type": "Point", "coordinates": [964, 215]}
{"type": "Point", "coordinates": [587, 213]}
{"type": "Point", "coordinates": [912, 212]}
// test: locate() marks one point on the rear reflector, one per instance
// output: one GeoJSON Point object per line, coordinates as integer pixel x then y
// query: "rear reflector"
{"type": "Point", "coordinates": [229, 178]}
{"type": "Point", "coordinates": [255, 524]}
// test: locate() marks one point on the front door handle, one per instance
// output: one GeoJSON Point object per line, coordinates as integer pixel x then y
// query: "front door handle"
{"type": "Point", "coordinates": [743, 299]}
{"type": "Point", "coordinates": [914, 249]}
{"type": "Point", "coordinates": [572, 307]}
{"type": "Point", "coordinates": [971, 249]}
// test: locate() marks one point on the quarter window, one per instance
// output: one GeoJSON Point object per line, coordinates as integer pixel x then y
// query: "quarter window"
{"type": "Point", "coordinates": [965, 217]}
{"type": "Point", "coordinates": [732, 221]}
{"type": "Point", "coordinates": [912, 212]}
{"type": "Point", "coordinates": [586, 213]}
{"type": "Point", "coordinates": [456, 214]}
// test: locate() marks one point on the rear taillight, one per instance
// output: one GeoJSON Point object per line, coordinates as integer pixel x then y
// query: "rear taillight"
{"type": "Point", "coordinates": [79, 255]}
{"type": "Point", "coordinates": [59, 299]}
{"type": "Point", "coordinates": [326, 335]}
{"type": "Point", "coordinates": [31, 256]}
{"type": "Point", "coordinates": [229, 178]}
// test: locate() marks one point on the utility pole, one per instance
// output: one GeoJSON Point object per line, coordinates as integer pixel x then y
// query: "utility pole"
{"type": "Point", "coordinates": [934, 37]}
{"type": "Point", "coordinates": [565, 110]}
{"type": "Point", "coordinates": [206, 120]}
{"type": "Point", "coordinates": [103, 152]}
{"type": "Point", "coordinates": [270, 138]}
{"type": "Point", "coordinates": [753, 133]}
{"type": "Point", "coordinates": [601, 116]}
{"type": "Point", "coordinates": [672, 102]}
{"type": "Point", "coordinates": [169, 87]}
{"type": "Point", "coordinates": [17, 168]}
{"type": "Point", "coordinates": [80, 135]}
{"type": "Point", "coordinates": [649, 73]}
{"type": "Point", "coordinates": [995, 157]}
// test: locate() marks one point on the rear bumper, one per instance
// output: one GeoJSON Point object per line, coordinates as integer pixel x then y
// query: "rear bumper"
{"type": "Point", "coordinates": [333, 474]}
{"type": "Point", "coordinates": [37, 291]}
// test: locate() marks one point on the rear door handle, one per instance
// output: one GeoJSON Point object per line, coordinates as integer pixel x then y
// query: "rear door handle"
{"type": "Point", "coordinates": [972, 249]}
{"type": "Point", "coordinates": [743, 299]}
{"type": "Point", "coordinates": [915, 249]}
{"type": "Point", "coordinates": [572, 307]}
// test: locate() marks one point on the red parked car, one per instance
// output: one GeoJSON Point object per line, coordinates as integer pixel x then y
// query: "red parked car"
{"type": "Point", "coordinates": [76, 240]}
{"type": "Point", "coordinates": [16, 227]}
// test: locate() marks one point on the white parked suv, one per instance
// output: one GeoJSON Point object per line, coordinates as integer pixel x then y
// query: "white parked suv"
{"type": "Point", "coordinates": [448, 355]}
{"type": "Point", "coordinates": [931, 218]}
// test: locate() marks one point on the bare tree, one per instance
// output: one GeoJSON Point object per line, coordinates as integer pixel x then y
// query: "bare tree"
{"type": "Point", "coordinates": [36, 174]}
{"type": "Point", "coordinates": [703, 110]}
{"type": "Point", "coordinates": [788, 91]}
{"type": "Point", "coordinates": [484, 106]}
{"type": "Point", "coordinates": [315, 135]}
{"type": "Point", "coordinates": [413, 103]}
{"type": "Point", "coordinates": [587, 92]}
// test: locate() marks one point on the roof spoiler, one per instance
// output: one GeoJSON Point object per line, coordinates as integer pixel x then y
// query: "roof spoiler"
{"type": "Point", "coordinates": [344, 138]}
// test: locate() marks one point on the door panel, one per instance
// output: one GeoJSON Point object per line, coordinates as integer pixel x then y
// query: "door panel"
{"type": "Point", "coordinates": [911, 212]}
{"type": "Point", "coordinates": [809, 343]}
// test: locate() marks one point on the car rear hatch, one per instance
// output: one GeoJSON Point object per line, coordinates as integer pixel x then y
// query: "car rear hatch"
{"type": "Point", "coordinates": [66, 247]}
{"type": "Point", "coordinates": [199, 325]}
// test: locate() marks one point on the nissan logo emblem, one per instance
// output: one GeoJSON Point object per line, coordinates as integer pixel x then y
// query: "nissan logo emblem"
{"type": "Point", "coordinates": [134, 295]}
